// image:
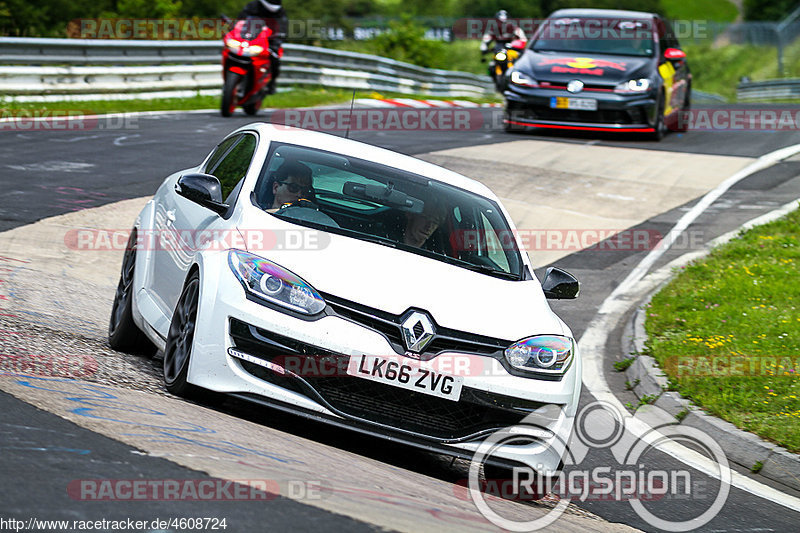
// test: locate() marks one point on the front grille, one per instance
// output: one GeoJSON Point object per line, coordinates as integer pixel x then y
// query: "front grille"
{"type": "Point", "coordinates": [365, 400]}
{"type": "Point", "coordinates": [601, 116]}
{"type": "Point", "coordinates": [586, 87]}
{"type": "Point", "coordinates": [445, 340]}
{"type": "Point", "coordinates": [412, 411]}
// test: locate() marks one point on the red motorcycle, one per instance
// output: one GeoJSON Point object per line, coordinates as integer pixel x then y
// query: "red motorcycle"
{"type": "Point", "coordinates": [246, 66]}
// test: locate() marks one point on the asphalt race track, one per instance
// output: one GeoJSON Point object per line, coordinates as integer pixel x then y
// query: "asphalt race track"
{"type": "Point", "coordinates": [47, 445]}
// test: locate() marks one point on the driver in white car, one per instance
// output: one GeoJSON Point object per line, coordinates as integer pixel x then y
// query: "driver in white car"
{"type": "Point", "coordinates": [292, 183]}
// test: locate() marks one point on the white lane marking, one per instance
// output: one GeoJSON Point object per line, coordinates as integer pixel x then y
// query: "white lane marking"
{"type": "Point", "coordinates": [592, 343]}
{"type": "Point", "coordinates": [122, 140]}
{"type": "Point", "coordinates": [643, 267]}
{"type": "Point", "coordinates": [615, 196]}
{"type": "Point", "coordinates": [79, 138]}
{"type": "Point", "coordinates": [54, 166]}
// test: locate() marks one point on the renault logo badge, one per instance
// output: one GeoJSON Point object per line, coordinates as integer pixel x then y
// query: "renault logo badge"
{"type": "Point", "coordinates": [418, 331]}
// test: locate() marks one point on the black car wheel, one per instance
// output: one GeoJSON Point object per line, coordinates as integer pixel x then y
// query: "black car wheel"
{"type": "Point", "coordinates": [181, 339]}
{"type": "Point", "coordinates": [660, 127]}
{"type": "Point", "coordinates": [509, 125]}
{"type": "Point", "coordinates": [123, 333]}
{"type": "Point", "coordinates": [684, 114]}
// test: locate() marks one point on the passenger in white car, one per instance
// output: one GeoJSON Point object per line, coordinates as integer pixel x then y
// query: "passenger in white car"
{"type": "Point", "coordinates": [420, 226]}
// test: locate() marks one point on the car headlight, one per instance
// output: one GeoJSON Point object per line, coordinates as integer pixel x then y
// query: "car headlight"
{"type": "Point", "coordinates": [633, 86]}
{"type": "Point", "coordinates": [551, 354]}
{"type": "Point", "coordinates": [273, 283]}
{"type": "Point", "coordinates": [518, 78]}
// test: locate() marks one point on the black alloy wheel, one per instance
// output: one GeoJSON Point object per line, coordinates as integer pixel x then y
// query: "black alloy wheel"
{"type": "Point", "coordinates": [123, 333]}
{"type": "Point", "coordinates": [181, 339]}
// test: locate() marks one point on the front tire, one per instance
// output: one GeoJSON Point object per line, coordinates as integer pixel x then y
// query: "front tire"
{"type": "Point", "coordinates": [228, 105]}
{"type": "Point", "coordinates": [660, 127]}
{"type": "Point", "coordinates": [123, 333]}
{"type": "Point", "coordinates": [252, 109]}
{"type": "Point", "coordinates": [180, 340]}
{"type": "Point", "coordinates": [507, 124]}
{"type": "Point", "coordinates": [685, 114]}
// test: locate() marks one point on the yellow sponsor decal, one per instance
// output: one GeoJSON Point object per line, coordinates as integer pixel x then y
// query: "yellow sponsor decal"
{"type": "Point", "coordinates": [582, 62]}
{"type": "Point", "coordinates": [667, 72]}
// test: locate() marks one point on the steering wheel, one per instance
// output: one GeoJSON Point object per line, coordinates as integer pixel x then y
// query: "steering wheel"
{"type": "Point", "coordinates": [307, 210]}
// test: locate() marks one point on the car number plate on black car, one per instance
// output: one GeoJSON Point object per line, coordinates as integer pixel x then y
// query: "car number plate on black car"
{"type": "Point", "coordinates": [406, 374]}
{"type": "Point", "coordinates": [562, 102]}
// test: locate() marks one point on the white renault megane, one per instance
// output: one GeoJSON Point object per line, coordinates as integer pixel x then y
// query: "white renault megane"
{"type": "Point", "coordinates": [351, 285]}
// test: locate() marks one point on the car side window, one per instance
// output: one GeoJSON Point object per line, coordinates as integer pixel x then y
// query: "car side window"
{"type": "Point", "coordinates": [494, 246]}
{"type": "Point", "coordinates": [234, 164]}
{"type": "Point", "coordinates": [221, 149]}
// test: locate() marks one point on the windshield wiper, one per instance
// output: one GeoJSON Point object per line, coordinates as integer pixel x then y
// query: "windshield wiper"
{"type": "Point", "coordinates": [372, 238]}
{"type": "Point", "coordinates": [483, 269]}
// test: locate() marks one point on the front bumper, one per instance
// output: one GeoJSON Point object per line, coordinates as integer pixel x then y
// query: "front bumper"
{"type": "Point", "coordinates": [530, 106]}
{"type": "Point", "coordinates": [240, 346]}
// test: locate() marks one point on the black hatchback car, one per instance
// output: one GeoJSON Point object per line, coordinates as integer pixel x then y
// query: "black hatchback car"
{"type": "Point", "coordinates": [600, 70]}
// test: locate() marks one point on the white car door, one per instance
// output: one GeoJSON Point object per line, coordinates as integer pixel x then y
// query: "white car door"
{"type": "Point", "coordinates": [188, 224]}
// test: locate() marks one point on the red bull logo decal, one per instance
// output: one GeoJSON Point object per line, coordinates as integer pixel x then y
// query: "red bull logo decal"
{"type": "Point", "coordinates": [581, 65]}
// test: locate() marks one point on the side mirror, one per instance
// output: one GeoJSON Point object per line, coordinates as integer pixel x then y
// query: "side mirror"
{"type": "Point", "coordinates": [560, 285]}
{"type": "Point", "coordinates": [674, 54]}
{"type": "Point", "coordinates": [202, 189]}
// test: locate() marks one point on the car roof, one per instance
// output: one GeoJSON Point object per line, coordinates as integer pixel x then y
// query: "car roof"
{"type": "Point", "coordinates": [352, 148]}
{"type": "Point", "coordinates": [602, 13]}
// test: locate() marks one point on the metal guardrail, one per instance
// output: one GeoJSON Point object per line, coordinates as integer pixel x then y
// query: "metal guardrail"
{"type": "Point", "coordinates": [37, 68]}
{"type": "Point", "coordinates": [702, 97]}
{"type": "Point", "coordinates": [769, 89]}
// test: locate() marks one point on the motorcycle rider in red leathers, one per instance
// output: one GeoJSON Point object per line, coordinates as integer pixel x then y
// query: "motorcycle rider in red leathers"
{"type": "Point", "coordinates": [275, 17]}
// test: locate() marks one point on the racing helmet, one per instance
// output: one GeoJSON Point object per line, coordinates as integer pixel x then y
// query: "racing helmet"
{"type": "Point", "coordinates": [272, 6]}
{"type": "Point", "coordinates": [501, 15]}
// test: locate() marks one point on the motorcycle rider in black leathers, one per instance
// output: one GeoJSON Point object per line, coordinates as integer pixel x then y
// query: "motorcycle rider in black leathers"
{"type": "Point", "coordinates": [501, 31]}
{"type": "Point", "coordinates": [275, 17]}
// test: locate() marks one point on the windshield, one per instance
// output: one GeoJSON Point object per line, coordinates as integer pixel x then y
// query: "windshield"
{"type": "Point", "coordinates": [387, 206]}
{"type": "Point", "coordinates": [596, 36]}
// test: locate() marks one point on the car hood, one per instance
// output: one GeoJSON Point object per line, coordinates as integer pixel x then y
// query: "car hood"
{"type": "Point", "coordinates": [559, 67]}
{"type": "Point", "coordinates": [393, 281]}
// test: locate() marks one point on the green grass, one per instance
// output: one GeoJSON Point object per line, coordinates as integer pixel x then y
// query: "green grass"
{"type": "Point", "coordinates": [461, 55]}
{"type": "Point", "coordinates": [738, 309]}
{"type": "Point", "coordinates": [718, 70]}
{"type": "Point", "coordinates": [716, 10]}
{"type": "Point", "coordinates": [296, 97]}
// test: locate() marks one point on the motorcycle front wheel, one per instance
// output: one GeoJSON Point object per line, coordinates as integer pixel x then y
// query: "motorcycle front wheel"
{"type": "Point", "coordinates": [229, 93]}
